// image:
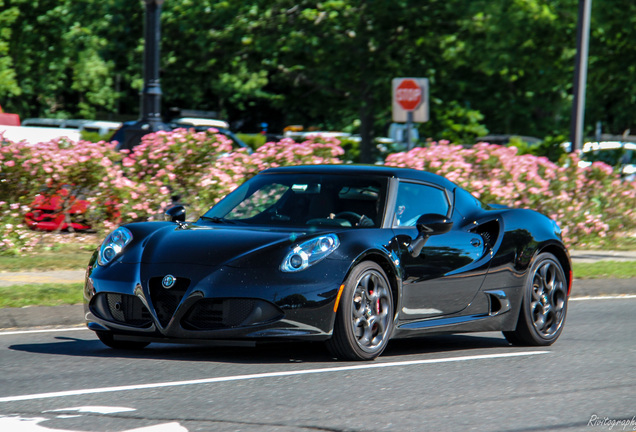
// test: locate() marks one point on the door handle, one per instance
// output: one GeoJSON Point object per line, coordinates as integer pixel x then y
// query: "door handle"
{"type": "Point", "coordinates": [475, 242]}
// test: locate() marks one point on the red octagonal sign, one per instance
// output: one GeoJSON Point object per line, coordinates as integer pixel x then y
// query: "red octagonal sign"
{"type": "Point", "coordinates": [408, 94]}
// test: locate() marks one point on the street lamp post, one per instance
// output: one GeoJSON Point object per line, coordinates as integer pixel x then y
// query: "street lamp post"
{"type": "Point", "coordinates": [150, 106]}
{"type": "Point", "coordinates": [580, 74]}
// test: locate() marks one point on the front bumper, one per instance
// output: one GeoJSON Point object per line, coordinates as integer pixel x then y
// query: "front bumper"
{"type": "Point", "coordinates": [212, 303]}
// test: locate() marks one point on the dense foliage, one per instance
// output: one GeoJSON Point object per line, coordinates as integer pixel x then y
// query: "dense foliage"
{"type": "Point", "coordinates": [198, 168]}
{"type": "Point", "coordinates": [504, 66]}
{"type": "Point", "coordinates": [591, 204]}
{"type": "Point", "coordinates": [195, 168]}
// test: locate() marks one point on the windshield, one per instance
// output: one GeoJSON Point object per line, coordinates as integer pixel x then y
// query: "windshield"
{"type": "Point", "coordinates": [304, 199]}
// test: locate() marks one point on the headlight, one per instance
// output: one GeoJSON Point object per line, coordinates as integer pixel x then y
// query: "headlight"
{"type": "Point", "coordinates": [113, 245]}
{"type": "Point", "coordinates": [310, 252]}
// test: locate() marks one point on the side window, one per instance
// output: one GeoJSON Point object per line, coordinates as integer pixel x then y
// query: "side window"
{"type": "Point", "coordinates": [414, 200]}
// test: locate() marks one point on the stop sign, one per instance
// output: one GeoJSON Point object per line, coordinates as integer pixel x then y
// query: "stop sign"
{"type": "Point", "coordinates": [408, 94]}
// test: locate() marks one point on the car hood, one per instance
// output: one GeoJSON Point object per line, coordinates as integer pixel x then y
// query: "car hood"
{"type": "Point", "coordinates": [213, 246]}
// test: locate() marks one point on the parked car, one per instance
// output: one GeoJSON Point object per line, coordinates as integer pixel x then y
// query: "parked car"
{"type": "Point", "coordinates": [201, 125]}
{"type": "Point", "coordinates": [237, 143]}
{"type": "Point", "coordinates": [35, 135]}
{"type": "Point", "coordinates": [103, 128]}
{"type": "Point", "coordinates": [350, 255]}
{"type": "Point", "coordinates": [620, 155]}
{"type": "Point", "coordinates": [206, 122]}
{"type": "Point", "coordinates": [506, 139]}
{"type": "Point", "coordinates": [55, 123]}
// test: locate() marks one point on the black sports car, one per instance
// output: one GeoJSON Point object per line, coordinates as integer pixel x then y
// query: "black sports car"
{"type": "Point", "coordinates": [352, 255]}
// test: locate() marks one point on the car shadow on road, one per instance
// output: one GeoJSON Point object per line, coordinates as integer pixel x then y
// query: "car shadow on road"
{"type": "Point", "coordinates": [270, 353]}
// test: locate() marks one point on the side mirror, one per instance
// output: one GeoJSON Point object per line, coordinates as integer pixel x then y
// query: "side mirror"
{"type": "Point", "coordinates": [427, 225]}
{"type": "Point", "coordinates": [176, 214]}
{"type": "Point", "coordinates": [433, 224]}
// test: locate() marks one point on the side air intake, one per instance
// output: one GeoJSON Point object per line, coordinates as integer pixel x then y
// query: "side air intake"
{"type": "Point", "coordinates": [498, 301]}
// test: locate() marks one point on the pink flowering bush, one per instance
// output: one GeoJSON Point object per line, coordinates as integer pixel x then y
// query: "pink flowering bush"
{"type": "Point", "coordinates": [28, 170]}
{"type": "Point", "coordinates": [198, 167]}
{"type": "Point", "coordinates": [591, 204]}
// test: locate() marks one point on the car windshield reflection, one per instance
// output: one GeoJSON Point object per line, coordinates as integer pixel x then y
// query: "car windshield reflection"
{"type": "Point", "coordinates": [304, 200]}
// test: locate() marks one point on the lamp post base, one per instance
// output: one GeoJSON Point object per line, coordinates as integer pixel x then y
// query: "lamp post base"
{"type": "Point", "coordinates": [133, 133]}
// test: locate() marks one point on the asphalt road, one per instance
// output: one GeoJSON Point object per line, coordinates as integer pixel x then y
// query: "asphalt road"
{"type": "Point", "coordinates": [56, 380]}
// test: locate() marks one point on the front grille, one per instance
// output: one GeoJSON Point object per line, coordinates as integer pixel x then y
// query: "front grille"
{"type": "Point", "coordinates": [121, 308]}
{"type": "Point", "coordinates": [216, 314]}
{"type": "Point", "coordinates": [165, 301]}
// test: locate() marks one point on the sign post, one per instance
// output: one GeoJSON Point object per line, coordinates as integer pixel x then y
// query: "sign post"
{"type": "Point", "coordinates": [410, 103]}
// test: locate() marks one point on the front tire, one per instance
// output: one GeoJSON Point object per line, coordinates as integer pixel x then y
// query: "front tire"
{"type": "Point", "coordinates": [364, 321]}
{"type": "Point", "coordinates": [109, 340]}
{"type": "Point", "coordinates": [544, 305]}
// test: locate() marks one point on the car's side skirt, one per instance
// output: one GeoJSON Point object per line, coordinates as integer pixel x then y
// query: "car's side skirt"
{"type": "Point", "coordinates": [492, 310]}
{"type": "Point", "coordinates": [459, 324]}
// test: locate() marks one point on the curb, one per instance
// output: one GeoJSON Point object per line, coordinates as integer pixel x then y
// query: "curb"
{"type": "Point", "coordinates": [41, 316]}
{"type": "Point", "coordinates": [590, 256]}
{"type": "Point", "coordinates": [42, 277]}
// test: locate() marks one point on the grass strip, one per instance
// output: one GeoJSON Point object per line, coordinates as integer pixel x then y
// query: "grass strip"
{"type": "Point", "coordinates": [605, 270]}
{"type": "Point", "coordinates": [67, 260]}
{"type": "Point", "coordinates": [41, 295]}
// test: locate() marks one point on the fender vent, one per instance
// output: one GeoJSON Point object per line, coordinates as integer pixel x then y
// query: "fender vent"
{"type": "Point", "coordinates": [489, 231]}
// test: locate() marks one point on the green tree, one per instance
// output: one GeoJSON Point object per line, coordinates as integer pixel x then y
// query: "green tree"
{"type": "Point", "coordinates": [57, 57]}
{"type": "Point", "coordinates": [334, 60]}
{"type": "Point", "coordinates": [500, 65]}
{"type": "Point", "coordinates": [513, 61]}
{"type": "Point", "coordinates": [611, 82]}
{"type": "Point", "coordinates": [8, 83]}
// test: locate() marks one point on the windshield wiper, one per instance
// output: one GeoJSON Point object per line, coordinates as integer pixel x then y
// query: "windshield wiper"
{"type": "Point", "coordinates": [217, 219]}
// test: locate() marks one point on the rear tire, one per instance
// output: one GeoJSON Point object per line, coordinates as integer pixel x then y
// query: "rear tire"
{"type": "Point", "coordinates": [109, 340]}
{"type": "Point", "coordinates": [364, 321]}
{"type": "Point", "coordinates": [544, 305]}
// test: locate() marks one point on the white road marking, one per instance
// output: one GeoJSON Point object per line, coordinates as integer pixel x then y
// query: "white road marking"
{"type": "Point", "coordinates": [376, 365]}
{"type": "Point", "coordinates": [605, 297]}
{"type": "Point", "coordinates": [20, 332]}
{"type": "Point", "coordinates": [32, 424]}
{"type": "Point", "coordinates": [94, 409]}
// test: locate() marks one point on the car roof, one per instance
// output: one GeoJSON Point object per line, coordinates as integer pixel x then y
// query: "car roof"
{"type": "Point", "coordinates": [53, 122]}
{"type": "Point", "coordinates": [195, 121]}
{"type": "Point", "coordinates": [102, 123]}
{"type": "Point", "coordinates": [607, 145]}
{"type": "Point", "coordinates": [365, 170]}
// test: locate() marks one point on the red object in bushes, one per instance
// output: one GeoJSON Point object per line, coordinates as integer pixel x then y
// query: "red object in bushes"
{"type": "Point", "coordinates": [57, 212]}
{"type": "Point", "coordinates": [9, 119]}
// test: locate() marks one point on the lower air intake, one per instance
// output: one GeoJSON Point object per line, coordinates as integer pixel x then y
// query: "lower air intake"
{"type": "Point", "coordinates": [121, 308]}
{"type": "Point", "coordinates": [217, 314]}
